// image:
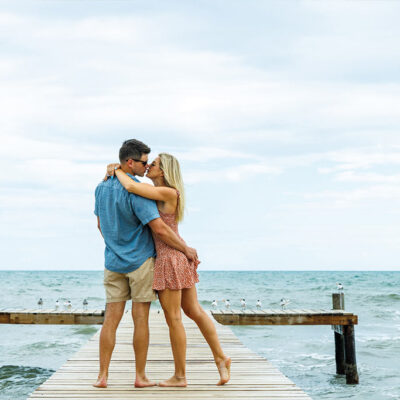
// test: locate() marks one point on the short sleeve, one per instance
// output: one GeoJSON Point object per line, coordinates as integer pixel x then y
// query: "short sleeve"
{"type": "Point", "coordinates": [96, 201]}
{"type": "Point", "coordinates": [145, 209]}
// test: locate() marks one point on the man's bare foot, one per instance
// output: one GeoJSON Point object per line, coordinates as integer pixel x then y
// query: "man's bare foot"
{"type": "Point", "coordinates": [224, 369]}
{"type": "Point", "coordinates": [144, 382]}
{"type": "Point", "coordinates": [174, 381]}
{"type": "Point", "coordinates": [101, 382]}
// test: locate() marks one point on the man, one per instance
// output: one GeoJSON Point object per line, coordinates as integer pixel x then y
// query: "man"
{"type": "Point", "coordinates": [124, 220]}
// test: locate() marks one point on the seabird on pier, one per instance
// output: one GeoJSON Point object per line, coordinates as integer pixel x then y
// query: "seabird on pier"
{"type": "Point", "coordinates": [243, 303]}
{"type": "Point", "coordinates": [214, 304]}
{"type": "Point", "coordinates": [284, 303]}
{"type": "Point", "coordinates": [57, 304]}
{"type": "Point", "coordinates": [40, 303]}
{"type": "Point", "coordinates": [339, 287]}
{"type": "Point", "coordinates": [85, 304]}
{"type": "Point", "coordinates": [258, 305]}
{"type": "Point", "coordinates": [227, 304]}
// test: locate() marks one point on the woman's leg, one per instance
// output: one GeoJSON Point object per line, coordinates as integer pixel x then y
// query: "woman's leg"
{"type": "Point", "coordinates": [194, 311]}
{"type": "Point", "coordinates": [171, 303]}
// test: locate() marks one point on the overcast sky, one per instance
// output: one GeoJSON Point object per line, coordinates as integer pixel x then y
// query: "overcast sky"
{"type": "Point", "coordinates": [285, 116]}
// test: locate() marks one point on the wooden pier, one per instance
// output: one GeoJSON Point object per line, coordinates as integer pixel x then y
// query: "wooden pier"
{"type": "Point", "coordinates": [52, 317]}
{"type": "Point", "coordinates": [252, 376]}
{"type": "Point", "coordinates": [342, 323]}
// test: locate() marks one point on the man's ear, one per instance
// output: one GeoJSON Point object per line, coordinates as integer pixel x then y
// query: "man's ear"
{"type": "Point", "coordinates": [129, 163]}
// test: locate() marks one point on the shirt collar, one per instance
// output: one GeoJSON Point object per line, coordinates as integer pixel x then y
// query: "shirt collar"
{"type": "Point", "coordinates": [133, 177]}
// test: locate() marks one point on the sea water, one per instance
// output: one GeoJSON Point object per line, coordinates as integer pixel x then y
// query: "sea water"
{"type": "Point", "coordinates": [29, 354]}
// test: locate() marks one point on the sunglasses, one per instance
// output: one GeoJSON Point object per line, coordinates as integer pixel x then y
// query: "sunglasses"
{"type": "Point", "coordinates": [144, 163]}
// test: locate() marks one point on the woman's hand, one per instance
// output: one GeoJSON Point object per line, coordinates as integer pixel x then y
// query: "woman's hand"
{"type": "Point", "coordinates": [111, 170]}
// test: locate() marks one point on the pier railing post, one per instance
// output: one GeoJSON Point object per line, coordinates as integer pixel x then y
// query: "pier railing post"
{"type": "Point", "coordinates": [350, 355]}
{"type": "Point", "coordinates": [338, 304]}
{"type": "Point", "coordinates": [345, 346]}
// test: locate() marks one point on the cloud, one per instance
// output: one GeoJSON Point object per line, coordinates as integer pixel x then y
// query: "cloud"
{"type": "Point", "coordinates": [303, 97]}
{"type": "Point", "coordinates": [233, 174]}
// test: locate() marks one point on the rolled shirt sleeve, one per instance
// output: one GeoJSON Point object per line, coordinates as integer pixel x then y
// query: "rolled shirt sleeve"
{"type": "Point", "coordinates": [145, 209]}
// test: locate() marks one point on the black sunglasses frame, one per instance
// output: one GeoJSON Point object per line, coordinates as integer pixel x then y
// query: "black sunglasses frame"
{"type": "Point", "coordinates": [144, 163]}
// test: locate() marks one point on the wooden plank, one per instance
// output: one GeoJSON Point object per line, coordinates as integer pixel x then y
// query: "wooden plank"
{"type": "Point", "coordinates": [252, 377]}
{"type": "Point", "coordinates": [53, 317]}
{"type": "Point", "coordinates": [287, 317]}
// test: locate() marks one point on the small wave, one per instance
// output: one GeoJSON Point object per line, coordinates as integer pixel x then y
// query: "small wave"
{"type": "Point", "coordinates": [44, 346]}
{"type": "Point", "coordinates": [21, 379]}
{"type": "Point", "coordinates": [85, 330]}
{"type": "Point", "coordinates": [383, 298]}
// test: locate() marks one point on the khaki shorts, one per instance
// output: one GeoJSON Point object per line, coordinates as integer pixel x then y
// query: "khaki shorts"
{"type": "Point", "coordinates": [136, 285]}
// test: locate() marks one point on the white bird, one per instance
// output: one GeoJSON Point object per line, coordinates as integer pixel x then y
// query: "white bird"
{"type": "Point", "coordinates": [243, 303]}
{"type": "Point", "coordinates": [284, 303]}
{"type": "Point", "coordinates": [339, 287]}
{"type": "Point", "coordinates": [57, 304]}
{"type": "Point", "coordinates": [67, 305]}
{"type": "Point", "coordinates": [85, 304]}
{"type": "Point", "coordinates": [258, 305]}
{"type": "Point", "coordinates": [214, 304]}
{"type": "Point", "coordinates": [40, 303]}
{"type": "Point", "coordinates": [227, 304]}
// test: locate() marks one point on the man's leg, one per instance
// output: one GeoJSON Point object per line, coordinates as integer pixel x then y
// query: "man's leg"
{"type": "Point", "coordinates": [140, 316]}
{"type": "Point", "coordinates": [114, 312]}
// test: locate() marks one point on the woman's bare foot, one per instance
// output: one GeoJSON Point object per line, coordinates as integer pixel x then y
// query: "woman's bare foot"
{"type": "Point", "coordinates": [101, 382]}
{"type": "Point", "coordinates": [224, 369]}
{"type": "Point", "coordinates": [143, 382]}
{"type": "Point", "coordinates": [174, 381]}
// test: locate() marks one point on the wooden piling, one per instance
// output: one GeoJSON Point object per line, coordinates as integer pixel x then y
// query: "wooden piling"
{"type": "Point", "coordinates": [338, 304]}
{"type": "Point", "coordinates": [350, 355]}
{"type": "Point", "coordinates": [345, 347]}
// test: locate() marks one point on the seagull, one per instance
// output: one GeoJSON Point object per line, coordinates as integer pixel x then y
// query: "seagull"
{"type": "Point", "coordinates": [339, 287]}
{"type": "Point", "coordinates": [40, 303]}
{"type": "Point", "coordinates": [85, 304]}
{"type": "Point", "coordinates": [57, 305]}
{"type": "Point", "coordinates": [284, 303]}
{"type": "Point", "coordinates": [243, 303]}
{"type": "Point", "coordinates": [214, 304]}
{"type": "Point", "coordinates": [258, 305]}
{"type": "Point", "coordinates": [67, 304]}
{"type": "Point", "coordinates": [227, 304]}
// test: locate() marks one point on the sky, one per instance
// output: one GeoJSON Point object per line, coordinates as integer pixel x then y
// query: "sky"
{"type": "Point", "coordinates": [284, 115]}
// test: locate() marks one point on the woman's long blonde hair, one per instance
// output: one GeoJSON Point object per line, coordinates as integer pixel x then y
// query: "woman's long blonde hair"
{"type": "Point", "coordinates": [173, 178]}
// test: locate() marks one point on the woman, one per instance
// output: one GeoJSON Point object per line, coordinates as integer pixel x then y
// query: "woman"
{"type": "Point", "coordinates": [174, 275]}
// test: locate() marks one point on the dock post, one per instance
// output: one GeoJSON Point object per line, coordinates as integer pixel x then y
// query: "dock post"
{"type": "Point", "coordinates": [338, 304]}
{"type": "Point", "coordinates": [350, 354]}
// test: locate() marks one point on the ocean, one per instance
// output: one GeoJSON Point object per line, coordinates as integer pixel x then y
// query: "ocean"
{"type": "Point", "coordinates": [29, 354]}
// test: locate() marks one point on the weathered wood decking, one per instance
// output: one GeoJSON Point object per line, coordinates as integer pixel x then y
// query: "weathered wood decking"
{"type": "Point", "coordinates": [252, 376]}
{"type": "Point", "coordinates": [284, 317]}
{"type": "Point", "coordinates": [52, 317]}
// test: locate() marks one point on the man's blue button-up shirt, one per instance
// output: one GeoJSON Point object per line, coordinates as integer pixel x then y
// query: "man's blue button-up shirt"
{"type": "Point", "coordinates": [123, 221]}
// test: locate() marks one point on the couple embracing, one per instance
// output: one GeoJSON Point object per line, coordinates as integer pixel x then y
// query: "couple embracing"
{"type": "Point", "coordinates": [145, 255]}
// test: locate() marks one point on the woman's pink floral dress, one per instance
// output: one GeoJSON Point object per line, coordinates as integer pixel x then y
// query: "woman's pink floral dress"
{"type": "Point", "coordinates": [172, 269]}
